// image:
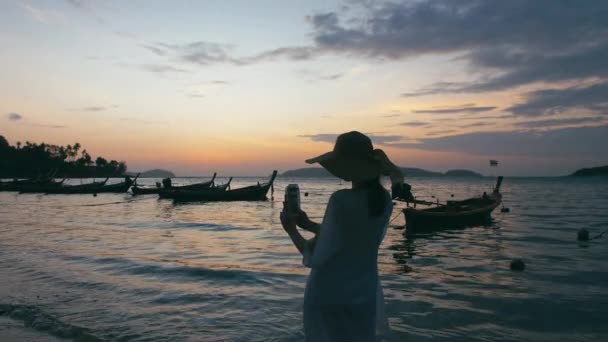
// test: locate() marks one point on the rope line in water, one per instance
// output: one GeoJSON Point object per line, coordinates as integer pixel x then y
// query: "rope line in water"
{"type": "Point", "coordinates": [398, 214]}
{"type": "Point", "coordinates": [108, 203]}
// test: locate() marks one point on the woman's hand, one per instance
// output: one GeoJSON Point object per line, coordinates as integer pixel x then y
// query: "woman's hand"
{"type": "Point", "coordinates": [302, 219]}
{"type": "Point", "coordinates": [288, 219]}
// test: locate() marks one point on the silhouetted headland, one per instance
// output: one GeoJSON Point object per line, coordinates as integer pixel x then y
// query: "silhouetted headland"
{"type": "Point", "coordinates": [462, 173]}
{"type": "Point", "coordinates": [32, 160]}
{"type": "Point", "coordinates": [592, 171]}
{"type": "Point", "coordinates": [155, 173]}
{"type": "Point", "coordinates": [407, 171]}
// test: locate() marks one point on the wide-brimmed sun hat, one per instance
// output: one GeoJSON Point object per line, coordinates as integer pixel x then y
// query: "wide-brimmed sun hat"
{"type": "Point", "coordinates": [353, 158]}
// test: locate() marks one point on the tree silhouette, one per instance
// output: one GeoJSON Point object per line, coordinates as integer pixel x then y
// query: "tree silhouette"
{"type": "Point", "coordinates": [32, 160]}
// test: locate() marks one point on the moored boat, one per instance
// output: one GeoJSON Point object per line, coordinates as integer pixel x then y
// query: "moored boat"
{"type": "Point", "coordinates": [196, 186]}
{"type": "Point", "coordinates": [471, 211]}
{"type": "Point", "coordinates": [37, 186]}
{"type": "Point", "coordinates": [78, 188]}
{"type": "Point", "coordinates": [223, 187]}
{"type": "Point", "coordinates": [256, 192]}
{"type": "Point", "coordinates": [20, 184]}
{"type": "Point", "coordinates": [121, 187]}
{"type": "Point", "coordinates": [166, 185]}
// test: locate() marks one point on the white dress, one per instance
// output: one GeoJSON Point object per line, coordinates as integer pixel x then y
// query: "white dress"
{"type": "Point", "coordinates": [343, 299]}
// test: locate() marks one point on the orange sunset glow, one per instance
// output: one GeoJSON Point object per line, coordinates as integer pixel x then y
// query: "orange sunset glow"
{"type": "Point", "coordinates": [204, 95]}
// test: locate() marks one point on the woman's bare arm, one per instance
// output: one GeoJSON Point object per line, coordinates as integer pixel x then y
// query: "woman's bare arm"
{"type": "Point", "coordinates": [289, 225]}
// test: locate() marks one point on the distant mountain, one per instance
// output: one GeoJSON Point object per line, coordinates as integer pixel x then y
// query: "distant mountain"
{"type": "Point", "coordinates": [415, 172]}
{"type": "Point", "coordinates": [407, 172]}
{"type": "Point", "coordinates": [592, 171]}
{"type": "Point", "coordinates": [462, 173]}
{"type": "Point", "coordinates": [307, 172]}
{"type": "Point", "coordinates": [156, 173]}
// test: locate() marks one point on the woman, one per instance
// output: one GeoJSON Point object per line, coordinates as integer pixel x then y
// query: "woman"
{"type": "Point", "coordinates": [343, 298]}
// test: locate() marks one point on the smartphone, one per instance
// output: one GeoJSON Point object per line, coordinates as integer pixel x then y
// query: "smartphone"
{"type": "Point", "coordinates": [292, 198]}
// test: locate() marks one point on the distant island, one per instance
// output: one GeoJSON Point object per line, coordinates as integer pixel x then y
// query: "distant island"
{"type": "Point", "coordinates": [592, 171]}
{"type": "Point", "coordinates": [155, 173]}
{"type": "Point", "coordinates": [407, 171]}
{"type": "Point", "coordinates": [462, 173]}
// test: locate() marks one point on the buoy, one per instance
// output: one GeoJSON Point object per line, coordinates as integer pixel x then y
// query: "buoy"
{"type": "Point", "coordinates": [583, 235]}
{"type": "Point", "coordinates": [517, 265]}
{"type": "Point", "coordinates": [505, 210]}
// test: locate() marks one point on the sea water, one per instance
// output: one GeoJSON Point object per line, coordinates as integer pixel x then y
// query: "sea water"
{"type": "Point", "coordinates": [122, 268]}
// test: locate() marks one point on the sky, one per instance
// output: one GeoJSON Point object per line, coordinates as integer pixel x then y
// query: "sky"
{"type": "Point", "coordinates": [245, 87]}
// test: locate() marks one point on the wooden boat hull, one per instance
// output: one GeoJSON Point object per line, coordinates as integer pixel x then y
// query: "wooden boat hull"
{"type": "Point", "coordinates": [145, 191]}
{"type": "Point", "coordinates": [39, 188]}
{"type": "Point", "coordinates": [191, 187]}
{"type": "Point", "coordinates": [27, 185]}
{"type": "Point", "coordinates": [121, 187]}
{"type": "Point", "coordinates": [251, 193]}
{"type": "Point", "coordinates": [65, 189]}
{"type": "Point", "coordinates": [118, 188]}
{"type": "Point", "coordinates": [473, 211]}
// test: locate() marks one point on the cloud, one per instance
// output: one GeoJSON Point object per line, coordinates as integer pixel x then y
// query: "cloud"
{"type": "Point", "coordinates": [161, 69]}
{"type": "Point", "coordinates": [454, 110]}
{"type": "Point", "coordinates": [207, 53]}
{"type": "Point", "coordinates": [219, 82]}
{"type": "Point", "coordinates": [42, 15]}
{"type": "Point", "coordinates": [415, 124]}
{"type": "Point", "coordinates": [395, 30]}
{"type": "Point", "coordinates": [155, 49]}
{"type": "Point", "coordinates": [438, 88]}
{"type": "Point", "coordinates": [578, 141]}
{"type": "Point", "coordinates": [331, 77]}
{"type": "Point", "coordinates": [14, 116]}
{"type": "Point", "coordinates": [559, 122]}
{"type": "Point", "coordinates": [198, 52]}
{"type": "Point", "coordinates": [76, 3]}
{"type": "Point", "coordinates": [376, 138]}
{"type": "Point", "coordinates": [141, 121]}
{"type": "Point", "coordinates": [593, 98]}
{"type": "Point", "coordinates": [47, 125]}
{"type": "Point", "coordinates": [476, 124]}
{"type": "Point", "coordinates": [514, 42]}
{"type": "Point", "coordinates": [195, 95]}
{"type": "Point", "coordinates": [446, 131]}
{"type": "Point", "coordinates": [94, 109]}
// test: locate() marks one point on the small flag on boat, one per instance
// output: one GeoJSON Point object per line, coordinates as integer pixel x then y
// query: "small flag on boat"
{"type": "Point", "coordinates": [493, 162]}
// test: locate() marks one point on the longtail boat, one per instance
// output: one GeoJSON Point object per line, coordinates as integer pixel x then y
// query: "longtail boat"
{"type": "Point", "coordinates": [470, 211]}
{"type": "Point", "coordinates": [36, 186]}
{"type": "Point", "coordinates": [121, 187]}
{"type": "Point", "coordinates": [250, 193]}
{"type": "Point", "coordinates": [137, 190]}
{"type": "Point", "coordinates": [197, 186]}
{"type": "Point", "coordinates": [223, 187]}
{"type": "Point", "coordinates": [19, 184]}
{"type": "Point", "coordinates": [14, 185]}
{"type": "Point", "coordinates": [79, 188]}
{"type": "Point", "coordinates": [94, 188]}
